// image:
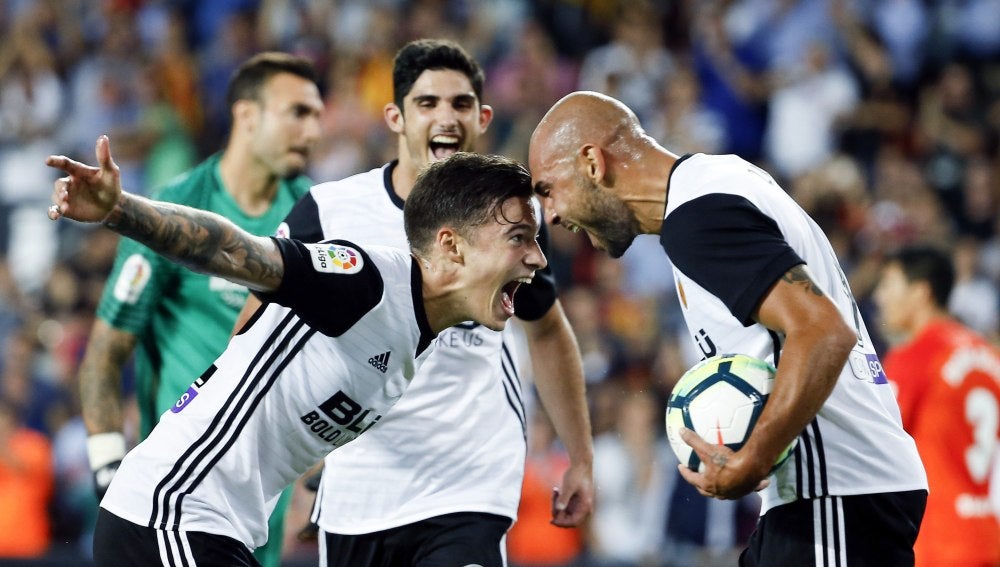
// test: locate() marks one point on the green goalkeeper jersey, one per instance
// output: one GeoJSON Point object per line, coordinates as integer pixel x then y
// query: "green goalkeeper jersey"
{"type": "Point", "coordinates": [182, 319]}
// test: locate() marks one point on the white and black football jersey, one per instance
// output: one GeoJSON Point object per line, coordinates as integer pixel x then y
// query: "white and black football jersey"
{"type": "Point", "coordinates": [730, 232]}
{"type": "Point", "coordinates": [320, 363]}
{"type": "Point", "coordinates": [456, 441]}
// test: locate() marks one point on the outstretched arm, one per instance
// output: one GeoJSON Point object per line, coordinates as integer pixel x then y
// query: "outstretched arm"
{"type": "Point", "coordinates": [817, 343]}
{"type": "Point", "coordinates": [559, 380]}
{"type": "Point", "coordinates": [199, 240]}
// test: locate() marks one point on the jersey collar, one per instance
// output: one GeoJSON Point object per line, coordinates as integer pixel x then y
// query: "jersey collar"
{"type": "Point", "coordinates": [416, 289]}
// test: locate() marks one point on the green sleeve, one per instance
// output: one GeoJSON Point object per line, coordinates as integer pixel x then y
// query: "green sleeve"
{"type": "Point", "coordinates": [138, 280]}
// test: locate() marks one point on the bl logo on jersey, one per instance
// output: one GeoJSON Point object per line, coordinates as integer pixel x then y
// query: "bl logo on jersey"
{"type": "Point", "coordinates": [340, 419]}
{"type": "Point", "coordinates": [335, 259]}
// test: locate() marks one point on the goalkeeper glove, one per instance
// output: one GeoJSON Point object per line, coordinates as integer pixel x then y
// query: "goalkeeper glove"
{"type": "Point", "coordinates": [105, 451]}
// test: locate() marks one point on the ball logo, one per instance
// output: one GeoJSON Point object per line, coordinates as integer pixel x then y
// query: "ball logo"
{"type": "Point", "coordinates": [335, 259]}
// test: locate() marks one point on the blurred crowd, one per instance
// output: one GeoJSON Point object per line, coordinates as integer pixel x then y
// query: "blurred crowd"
{"type": "Point", "coordinates": [881, 118]}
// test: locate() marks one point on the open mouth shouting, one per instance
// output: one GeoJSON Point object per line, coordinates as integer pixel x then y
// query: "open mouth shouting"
{"type": "Point", "coordinates": [444, 145]}
{"type": "Point", "coordinates": [507, 294]}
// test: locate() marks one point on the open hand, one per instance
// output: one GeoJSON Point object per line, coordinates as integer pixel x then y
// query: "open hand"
{"type": "Point", "coordinates": [86, 194]}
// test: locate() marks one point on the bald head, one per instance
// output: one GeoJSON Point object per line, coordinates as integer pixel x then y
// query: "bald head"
{"type": "Point", "coordinates": [595, 169]}
{"type": "Point", "coordinates": [583, 117]}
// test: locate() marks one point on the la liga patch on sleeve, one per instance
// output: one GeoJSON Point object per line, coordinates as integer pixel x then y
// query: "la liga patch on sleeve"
{"type": "Point", "coordinates": [132, 279]}
{"type": "Point", "coordinates": [335, 258]}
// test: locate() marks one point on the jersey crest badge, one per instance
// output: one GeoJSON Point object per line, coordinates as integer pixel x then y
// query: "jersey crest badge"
{"type": "Point", "coordinates": [335, 258]}
{"type": "Point", "coordinates": [132, 279]}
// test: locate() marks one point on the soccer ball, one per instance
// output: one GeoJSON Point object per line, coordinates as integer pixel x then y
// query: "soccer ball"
{"type": "Point", "coordinates": [720, 399]}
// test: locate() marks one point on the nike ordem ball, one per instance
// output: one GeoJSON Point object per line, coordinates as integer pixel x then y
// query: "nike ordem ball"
{"type": "Point", "coordinates": [720, 399]}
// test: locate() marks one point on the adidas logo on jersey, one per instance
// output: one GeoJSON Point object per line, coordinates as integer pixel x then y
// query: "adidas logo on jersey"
{"type": "Point", "coordinates": [380, 361]}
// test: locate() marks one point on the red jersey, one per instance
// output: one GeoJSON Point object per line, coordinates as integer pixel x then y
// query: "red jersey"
{"type": "Point", "coordinates": [948, 386]}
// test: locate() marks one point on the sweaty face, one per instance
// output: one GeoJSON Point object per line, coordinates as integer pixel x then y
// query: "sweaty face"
{"type": "Point", "coordinates": [287, 125]}
{"type": "Point", "coordinates": [498, 257]}
{"type": "Point", "coordinates": [893, 295]}
{"type": "Point", "coordinates": [441, 115]}
{"type": "Point", "coordinates": [575, 202]}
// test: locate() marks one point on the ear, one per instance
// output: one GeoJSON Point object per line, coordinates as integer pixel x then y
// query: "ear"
{"type": "Point", "coordinates": [451, 245]}
{"type": "Point", "coordinates": [393, 117]}
{"type": "Point", "coordinates": [593, 159]}
{"type": "Point", "coordinates": [245, 113]}
{"type": "Point", "coordinates": [485, 117]}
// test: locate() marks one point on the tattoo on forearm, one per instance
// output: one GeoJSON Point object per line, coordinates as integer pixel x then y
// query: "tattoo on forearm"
{"type": "Point", "coordinates": [799, 276]}
{"type": "Point", "coordinates": [100, 379]}
{"type": "Point", "coordinates": [200, 240]}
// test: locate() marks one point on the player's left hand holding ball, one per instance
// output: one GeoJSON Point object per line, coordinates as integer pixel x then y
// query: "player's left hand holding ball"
{"type": "Point", "coordinates": [86, 194]}
{"type": "Point", "coordinates": [727, 475]}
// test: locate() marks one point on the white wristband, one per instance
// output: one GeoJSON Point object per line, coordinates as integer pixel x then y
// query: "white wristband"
{"type": "Point", "coordinates": [104, 448]}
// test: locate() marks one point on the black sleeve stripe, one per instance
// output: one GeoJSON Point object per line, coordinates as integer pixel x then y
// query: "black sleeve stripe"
{"type": "Point", "coordinates": [532, 302]}
{"type": "Point", "coordinates": [328, 302]}
{"type": "Point", "coordinates": [304, 221]}
{"type": "Point", "coordinates": [729, 247]}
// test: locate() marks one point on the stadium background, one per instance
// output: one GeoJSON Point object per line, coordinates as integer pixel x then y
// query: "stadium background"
{"type": "Point", "coordinates": [882, 118]}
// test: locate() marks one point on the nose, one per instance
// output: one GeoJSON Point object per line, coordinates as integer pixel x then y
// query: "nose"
{"type": "Point", "coordinates": [312, 130]}
{"type": "Point", "coordinates": [536, 258]}
{"type": "Point", "coordinates": [446, 116]}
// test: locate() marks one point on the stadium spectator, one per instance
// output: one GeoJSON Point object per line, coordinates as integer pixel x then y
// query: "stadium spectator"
{"type": "Point", "coordinates": [627, 525]}
{"type": "Point", "coordinates": [974, 299]}
{"type": "Point", "coordinates": [31, 110]}
{"type": "Point", "coordinates": [950, 131]}
{"type": "Point", "coordinates": [683, 121]}
{"type": "Point", "coordinates": [533, 541]}
{"type": "Point", "coordinates": [635, 65]}
{"type": "Point", "coordinates": [805, 108]}
{"type": "Point", "coordinates": [25, 486]}
{"type": "Point", "coordinates": [731, 70]}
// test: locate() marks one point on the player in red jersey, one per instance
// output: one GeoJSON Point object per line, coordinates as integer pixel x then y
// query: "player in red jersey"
{"type": "Point", "coordinates": [948, 386]}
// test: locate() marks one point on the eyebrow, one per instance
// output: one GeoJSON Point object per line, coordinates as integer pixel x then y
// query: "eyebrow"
{"type": "Point", "coordinates": [469, 98]}
{"type": "Point", "coordinates": [534, 228]}
{"type": "Point", "coordinates": [303, 108]}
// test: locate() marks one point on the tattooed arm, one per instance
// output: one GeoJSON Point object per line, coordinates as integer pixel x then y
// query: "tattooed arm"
{"type": "Point", "coordinates": [816, 344]}
{"type": "Point", "coordinates": [200, 240]}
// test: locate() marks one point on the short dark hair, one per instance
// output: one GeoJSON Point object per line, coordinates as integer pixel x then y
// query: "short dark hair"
{"type": "Point", "coordinates": [246, 82]}
{"type": "Point", "coordinates": [435, 54]}
{"type": "Point", "coordinates": [463, 191]}
{"type": "Point", "coordinates": [922, 263]}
